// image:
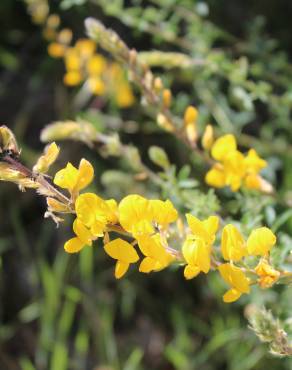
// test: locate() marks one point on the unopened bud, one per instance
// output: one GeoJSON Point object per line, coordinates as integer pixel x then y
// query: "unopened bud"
{"type": "Point", "coordinates": [208, 138]}
{"type": "Point", "coordinates": [166, 98]}
{"type": "Point", "coordinates": [56, 206]}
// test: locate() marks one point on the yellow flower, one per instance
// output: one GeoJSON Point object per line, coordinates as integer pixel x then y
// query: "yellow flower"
{"type": "Point", "coordinates": [93, 216]}
{"type": "Point", "coordinates": [135, 215]}
{"type": "Point", "coordinates": [83, 237]}
{"type": "Point", "coordinates": [163, 213]}
{"type": "Point", "coordinates": [96, 213]}
{"type": "Point", "coordinates": [216, 176]}
{"type": "Point", "coordinates": [124, 253]}
{"type": "Point", "coordinates": [267, 274]}
{"type": "Point", "coordinates": [74, 179]}
{"type": "Point", "coordinates": [123, 95]}
{"type": "Point", "coordinates": [205, 230]}
{"type": "Point", "coordinates": [51, 153]}
{"type": "Point", "coordinates": [232, 244]}
{"type": "Point", "coordinates": [197, 247]}
{"type": "Point", "coordinates": [197, 255]}
{"type": "Point", "coordinates": [223, 146]}
{"type": "Point", "coordinates": [260, 241]}
{"type": "Point", "coordinates": [56, 50]}
{"type": "Point", "coordinates": [72, 78]}
{"type": "Point", "coordinates": [96, 65]}
{"type": "Point", "coordinates": [236, 279]}
{"type": "Point", "coordinates": [234, 168]}
{"type": "Point", "coordinates": [138, 215]}
{"type": "Point", "coordinates": [157, 257]}
{"type": "Point", "coordinates": [208, 137]}
{"type": "Point", "coordinates": [85, 47]}
{"type": "Point", "coordinates": [253, 162]}
{"type": "Point", "coordinates": [72, 60]}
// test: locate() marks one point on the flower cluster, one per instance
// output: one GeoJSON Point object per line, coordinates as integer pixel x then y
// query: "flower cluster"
{"type": "Point", "coordinates": [82, 63]}
{"type": "Point", "coordinates": [234, 169]}
{"type": "Point", "coordinates": [150, 230]}
{"type": "Point", "coordinates": [146, 228]}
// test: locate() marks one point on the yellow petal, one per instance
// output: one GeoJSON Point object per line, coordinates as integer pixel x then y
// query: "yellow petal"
{"type": "Point", "coordinates": [216, 176]}
{"type": "Point", "coordinates": [96, 65]}
{"type": "Point", "coordinates": [204, 230]}
{"type": "Point", "coordinates": [86, 173]}
{"type": "Point", "coordinates": [73, 245]}
{"type": "Point", "coordinates": [211, 224]}
{"type": "Point", "coordinates": [253, 162]}
{"type": "Point", "coordinates": [223, 146]}
{"type": "Point", "coordinates": [231, 295]}
{"type": "Point", "coordinates": [72, 78]}
{"type": "Point", "coordinates": [191, 271]}
{"type": "Point", "coordinates": [85, 206]}
{"type": "Point", "coordinates": [147, 265]}
{"type": "Point", "coordinates": [135, 214]}
{"type": "Point", "coordinates": [85, 47]}
{"type": "Point", "coordinates": [260, 241]}
{"type": "Point", "coordinates": [67, 177]}
{"type": "Point", "coordinates": [112, 211]}
{"type": "Point", "coordinates": [56, 50]}
{"type": "Point", "coordinates": [234, 277]}
{"type": "Point", "coordinates": [163, 213]}
{"type": "Point", "coordinates": [121, 269]}
{"type": "Point", "coordinates": [121, 250]}
{"type": "Point", "coordinates": [232, 244]}
{"type": "Point", "coordinates": [82, 232]}
{"type": "Point", "coordinates": [72, 60]}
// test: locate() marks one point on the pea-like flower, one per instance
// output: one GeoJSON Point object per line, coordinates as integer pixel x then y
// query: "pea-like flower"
{"type": "Point", "coordinates": [156, 255]}
{"type": "Point", "coordinates": [124, 253]}
{"type": "Point", "coordinates": [232, 244]}
{"type": "Point", "coordinates": [236, 278]}
{"type": "Point", "coordinates": [197, 247]}
{"type": "Point", "coordinates": [267, 274]}
{"type": "Point", "coordinates": [260, 241]}
{"type": "Point", "coordinates": [74, 179]}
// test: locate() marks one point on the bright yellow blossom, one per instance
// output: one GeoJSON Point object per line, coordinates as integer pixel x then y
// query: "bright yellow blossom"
{"type": "Point", "coordinates": [223, 147]}
{"type": "Point", "coordinates": [267, 274]}
{"type": "Point", "coordinates": [138, 215]}
{"type": "Point", "coordinates": [253, 162]}
{"type": "Point", "coordinates": [234, 168]}
{"type": "Point", "coordinates": [74, 179]}
{"type": "Point", "coordinates": [260, 241]}
{"type": "Point", "coordinates": [163, 213]}
{"type": "Point", "coordinates": [96, 213]}
{"type": "Point", "coordinates": [124, 253]}
{"type": "Point", "coordinates": [216, 176]}
{"type": "Point", "coordinates": [197, 247]}
{"type": "Point", "coordinates": [93, 216]}
{"type": "Point", "coordinates": [56, 50]}
{"type": "Point", "coordinates": [232, 244]}
{"type": "Point", "coordinates": [197, 255]}
{"type": "Point", "coordinates": [157, 257]}
{"type": "Point", "coordinates": [236, 279]}
{"type": "Point", "coordinates": [96, 65]}
{"type": "Point", "coordinates": [205, 230]}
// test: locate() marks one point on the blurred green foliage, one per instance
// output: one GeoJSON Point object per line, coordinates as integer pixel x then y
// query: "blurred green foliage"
{"type": "Point", "coordinates": [62, 312]}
